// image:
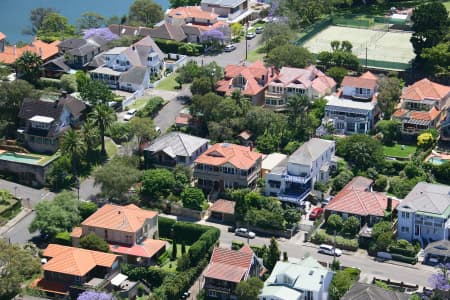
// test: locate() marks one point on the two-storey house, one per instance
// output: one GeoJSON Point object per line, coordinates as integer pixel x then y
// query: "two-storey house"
{"type": "Point", "coordinates": [297, 280]}
{"type": "Point", "coordinates": [174, 149]}
{"type": "Point", "coordinates": [79, 52]}
{"type": "Point", "coordinates": [424, 214]}
{"type": "Point", "coordinates": [129, 230]}
{"type": "Point", "coordinates": [229, 10]}
{"type": "Point", "coordinates": [354, 109]}
{"type": "Point", "coordinates": [309, 81]}
{"type": "Point", "coordinates": [423, 105]}
{"type": "Point", "coordinates": [229, 267]}
{"type": "Point", "coordinates": [130, 68]}
{"type": "Point", "coordinates": [225, 166]}
{"type": "Point", "coordinates": [68, 267]}
{"type": "Point", "coordinates": [251, 80]}
{"type": "Point", "coordinates": [357, 199]}
{"type": "Point", "coordinates": [293, 179]}
{"type": "Point", "coordinates": [44, 121]}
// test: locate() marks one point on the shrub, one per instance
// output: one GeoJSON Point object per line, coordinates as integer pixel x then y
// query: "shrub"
{"type": "Point", "coordinates": [380, 183]}
{"type": "Point", "coordinates": [236, 245]}
{"type": "Point", "coordinates": [94, 242]}
{"type": "Point", "coordinates": [351, 226]}
{"type": "Point", "coordinates": [188, 232]}
{"type": "Point", "coordinates": [151, 107]}
{"type": "Point", "coordinates": [320, 237]}
{"type": "Point", "coordinates": [334, 222]}
{"type": "Point", "coordinates": [163, 258]}
{"type": "Point", "coordinates": [193, 198]}
{"type": "Point", "coordinates": [63, 238]}
{"type": "Point", "coordinates": [403, 247]}
{"type": "Point", "coordinates": [342, 282]}
{"type": "Point", "coordinates": [44, 82]}
{"type": "Point", "coordinates": [406, 259]}
{"type": "Point", "coordinates": [165, 226]}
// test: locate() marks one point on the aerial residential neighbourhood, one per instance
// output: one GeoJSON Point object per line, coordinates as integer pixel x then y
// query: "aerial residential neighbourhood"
{"type": "Point", "coordinates": [225, 149]}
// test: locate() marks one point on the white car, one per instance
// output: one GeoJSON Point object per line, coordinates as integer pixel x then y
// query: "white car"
{"type": "Point", "coordinates": [250, 35]}
{"type": "Point", "coordinates": [259, 29]}
{"type": "Point", "coordinates": [158, 130]}
{"type": "Point", "coordinates": [329, 250]}
{"type": "Point", "coordinates": [128, 117]}
{"type": "Point", "coordinates": [245, 233]}
{"type": "Point", "coordinates": [229, 48]}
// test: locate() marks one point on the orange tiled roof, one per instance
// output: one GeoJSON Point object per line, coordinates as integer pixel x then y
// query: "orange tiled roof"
{"type": "Point", "coordinates": [147, 249]}
{"type": "Point", "coordinates": [366, 80]}
{"type": "Point", "coordinates": [128, 218]}
{"type": "Point", "coordinates": [2, 36]}
{"type": "Point", "coordinates": [219, 154]}
{"type": "Point", "coordinates": [400, 112]}
{"type": "Point", "coordinates": [218, 24]}
{"type": "Point", "coordinates": [369, 75]}
{"type": "Point", "coordinates": [359, 183]}
{"type": "Point", "coordinates": [75, 261]}
{"type": "Point", "coordinates": [184, 12]}
{"type": "Point", "coordinates": [38, 47]}
{"type": "Point", "coordinates": [425, 115]}
{"type": "Point", "coordinates": [426, 89]}
{"type": "Point", "coordinates": [223, 206]}
{"type": "Point", "coordinates": [77, 232]}
{"type": "Point", "coordinates": [229, 265]}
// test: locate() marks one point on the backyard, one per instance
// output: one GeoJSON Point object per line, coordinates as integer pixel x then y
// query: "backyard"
{"type": "Point", "coordinates": [168, 83]}
{"type": "Point", "coordinates": [397, 150]}
{"type": "Point", "coordinates": [171, 265]}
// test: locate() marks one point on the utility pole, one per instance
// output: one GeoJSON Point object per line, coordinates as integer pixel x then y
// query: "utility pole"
{"type": "Point", "coordinates": [246, 41]}
{"type": "Point", "coordinates": [366, 56]}
{"type": "Point", "coordinates": [334, 248]}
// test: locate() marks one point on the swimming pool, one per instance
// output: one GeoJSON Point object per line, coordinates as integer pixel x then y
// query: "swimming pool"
{"type": "Point", "coordinates": [436, 160]}
{"type": "Point", "coordinates": [21, 158]}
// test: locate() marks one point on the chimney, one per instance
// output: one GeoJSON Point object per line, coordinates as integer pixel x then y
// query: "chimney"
{"type": "Point", "coordinates": [389, 204]}
{"type": "Point", "coordinates": [272, 72]}
{"type": "Point", "coordinates": [14, 50]}
{"type": "Point", "coordinates": [40, 52]}
{"type": "Point", "coordinates": [133, 47]}
{"type": "Point", "coordinates": [250, 145]}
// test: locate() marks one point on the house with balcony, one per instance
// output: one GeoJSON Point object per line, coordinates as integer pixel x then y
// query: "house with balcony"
{"type": "Point", "coordinates": [353, 109]}
{"type": "Point", "coordinates": [309, 81]}
{"type": "Point", "coordinates": [231, 11]}
{"type": "Point", "coordinates": [423, 105]}
{"type": "Point", "coordinates": [174, 149]}
{"type": "Point", "coordinates": [79, 52]}
{"type": "Point", "coordinates": [251, 80]}
{"type": "Point", "coordinates": [227, 268]}
{"type": "Point", "coordinates": [424, 214]}
{"type": "Point", "coordinates": [43, 122]}
{"type": "Point", "coordinates": [129, 230]}
{"type": "Point", "coordinates": [68, 269]}
{"type": "Point", "coordinates": [226, 165]}
{"type": "Point", "coordinates": [130, 68]}
{"type": "Point", "coordinates": [293, 179]}
{"type": "Point", "coordinates": [297, 280]}
{"type": "Point", "coordinates": [357, 199]}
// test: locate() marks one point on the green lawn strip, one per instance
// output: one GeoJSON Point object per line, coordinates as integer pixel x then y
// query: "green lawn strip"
{"type": "Point", "coordinates": [397, 151]}
{"type": "Point", "coordinates": [256, 54]}
{"type": "Point", "coordinates": [111, 148]}
{"type": "Point", "coordinates": [168, 83]}
{"type": "Point", "coordinates": [139, 103]}
{"type": "Point", "coordinates": [171, 265]}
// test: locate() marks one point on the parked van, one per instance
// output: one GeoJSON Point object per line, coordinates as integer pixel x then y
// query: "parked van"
{"type": "Point", "coordinates": [329, 250]}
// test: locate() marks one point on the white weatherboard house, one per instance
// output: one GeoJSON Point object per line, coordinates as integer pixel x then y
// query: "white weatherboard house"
{"type": "Point", "coordinates": [293, 178]}
{"type": "Point", "coordinates": [424, 214]}
{"type": "Point", "coordinates": [297, 280]}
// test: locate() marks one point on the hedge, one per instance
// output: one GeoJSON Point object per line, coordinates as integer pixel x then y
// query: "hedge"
{"type": "Point", "coordinates": [321, 237]}
{"type": "Point", "coordinates": [164, 227]}
{"type": "Point", "coordinates": [169, 46]}
{"type": "Point", "coordinates": [63, 238]}
{"type": "Point", "coordinates": [45, 82]}
{"type": "Point", "coordinates": [406, 259]}
{"type": "Point", "coordinates": [410, 251]}
{"type": "Point", "coordinates": [236, 245]}
{"type": "Point", "coordinates": [151, 107]}
{"type": "Point", "coordinates": [188, 232]}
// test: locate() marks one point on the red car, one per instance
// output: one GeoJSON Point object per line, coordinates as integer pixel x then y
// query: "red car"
{"type": "Point", "coordinates": [316, 212]}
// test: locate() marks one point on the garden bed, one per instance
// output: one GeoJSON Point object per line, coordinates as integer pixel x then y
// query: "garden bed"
{"type": "Point", "coordinates": [321, 237]}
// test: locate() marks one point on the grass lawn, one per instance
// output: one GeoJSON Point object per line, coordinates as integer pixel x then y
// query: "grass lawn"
{"type": "Point", "coordinates": [256, 54]}
{"type": "Point", "coordinates": [168, 83]}
{"type": "Point", "coordinates": [397, 151]}
{"type": "Point", "coordinates": [111, 149]}
{"type": "Point", "coordinates": [139, 103]}
{"type": "Point", "coordinates": [172, 265]}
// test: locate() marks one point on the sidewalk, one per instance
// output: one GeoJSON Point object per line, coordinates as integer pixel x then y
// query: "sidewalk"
{"type": "Point", "coordinates": [196, 287]}
{"type": "Point", "coordinates": [11, 223]}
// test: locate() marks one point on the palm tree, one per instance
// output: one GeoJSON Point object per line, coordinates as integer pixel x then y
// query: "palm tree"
{"type": "Point", "coordinates": [29, 66]}
{"type": "Point", "coordinates": [90, 134]}
{"type": "Point", "coordinates": [73, 145]}
{"type": "Point", "coordinates": [103, 116]}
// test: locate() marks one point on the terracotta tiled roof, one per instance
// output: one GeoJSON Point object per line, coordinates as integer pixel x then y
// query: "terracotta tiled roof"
{"type": "Point", "coordinates": [246, 134]}
{"type": "Point", "coordinates": [76, 232]}
{"type": "Point", "coordinates": [219, 154]}
{"type": "Point", "coordinates": [366, 80]}
{"type": "Point", "coordinates": [147, 249]}
{"type": "Point", "coordinates": [426, 89]}
{"type": "Point", "coordinates": [229, 265]}
{"type": "Point", "coordinates": [38, 47]}
{"type": "Point", "coordinates": [356, 199]}
{"type": "Point", "coordinates": [184, 12]}
{"type": "Point", "coordinates": [425, 115]}
{"type": "Point", "coordinates": [75, 261]}
{"type": "Point", "coordinates": [323, 84]}
{"type": "Point", "coordinates": [128, 218]}
{"type": "Point", "coordinates": [202, 28]}
{"type": "Point", "coordinates": [223, 206]}
{"type": "Point", "coordinates": [2, 36]}
{"type": "Point", "coordinates": [400, 112]}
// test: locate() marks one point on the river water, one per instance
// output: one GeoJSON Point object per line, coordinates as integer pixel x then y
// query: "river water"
{"type": "Point", "coordinates": [14, 14]}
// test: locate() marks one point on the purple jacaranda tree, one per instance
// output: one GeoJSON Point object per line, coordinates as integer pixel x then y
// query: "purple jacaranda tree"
{"type": "Point", "coordinates": [103, 32]}
{"type": "Point", "coordinates": [90, 295]}
{"type": "Point", "coordinates": [440, 281]}
{"type": "Point", "coordinates": [213, 35]}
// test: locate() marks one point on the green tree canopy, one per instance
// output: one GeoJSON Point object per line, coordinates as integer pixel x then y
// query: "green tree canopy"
{"type": "Point", "coordinates": [86, 209]}
{"type": "Point", "coordinates": [390, 130]}
{"type": "Point", "coordinates": [29, 67]}
{"type": "Point", "coordinates": [117, 176]}
{"type": "Point", "coordinates": [157, 182]}
{"type": "Point", "coordinates": [249, 289]}
{"type": "Point", "coordinates": [144, 129]}
{"type": "Point", "coordinates": [273, 255]}
{"type": "Point", "coordinates": [55, 216]}
{"type": "Point", "coordinates": [37, 17]}
{"type": "Point", "coordinates": [103, 116]}
{"type": "Point", "coordinates": [193, 198]}
{"type": "Point", "coordinates": [334, 222]}
{"type": "Point", "coordinates": [145, 13]}
{"type": "Point", "coordinates": [55, 27]}
{"type": "Point", "coordinates": [361, 151]}
{"type": "Point", "coordinates": [91, 20]}
{"type": "Point", "coordinates": [351, 226]}
{"type": "Point", "coordinates": [337, 73]}
{"type": "Point", "coordinates": [436, 61]}
{"type": "Point", "coordinates": [201, 86]}
{"type": "Point", "coordinates": [94, 242]}
{"type": "Point", "coordinates": [341, 180]}
{"type": "Point", "coordinates": [93, 91]}
{"type": "Point", "coordinates": [389, 91]}
{"type": "Point", "coordinates": [289, 55]}
{"type": "Point", "coordinates": [72, 145]}
{"type": "Point", "coordinates": [342, 281]}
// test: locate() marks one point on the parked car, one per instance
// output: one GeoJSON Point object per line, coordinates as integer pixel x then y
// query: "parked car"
{"type": "Point", "coordinates": [316, 213]}
{"type": "Point", "coordinates": [326, 200]}
{"type": "Point", "coordinates": [186, 295]}
{"type": "Point", "coordinates": [329, 250]}
{"type": "Point", "coordinates": [244, 232]}
{"type": "Point", "coordinates": [158, 130]}
{"type": "Point", "coordinates": [250, 35]}
{"type": "Point", "coordinates": [259, 29]}
{"type": "Point", "coordinates": [229, 48]}
{"type": "Point", "coordinates": [129, 115]}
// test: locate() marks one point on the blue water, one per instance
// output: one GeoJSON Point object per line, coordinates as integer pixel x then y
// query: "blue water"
{"type": "Point", "coordinates": [14, 14]}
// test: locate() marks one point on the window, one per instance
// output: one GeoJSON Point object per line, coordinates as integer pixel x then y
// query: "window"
{"type": "Point", "coordinates": [404, 229]}
{"type": "Point", "coordinates": [405, 214]}
{"type": "Point", "coordinates": [417, 230]}
{"type": "Point", "coordinates": [212, 293]}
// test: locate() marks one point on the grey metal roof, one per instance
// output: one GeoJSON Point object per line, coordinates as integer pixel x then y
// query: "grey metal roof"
{"type": "Point", "coordinates": [440, 248]}
{"type": "Point", "coordinates": [364, 291]}
{"type": "Point", "coordinates": [134, 75]}
{"type": "Point", "coordinates": [310, 151]}
{"type": "Point", "coordinates": [223, 3]}
{"type": "Point", "coordinates": [168, 32]}
{"type": "Point", "coordinates": [428, 198]}
{"type": "Point", "coordinates": [177, 144]}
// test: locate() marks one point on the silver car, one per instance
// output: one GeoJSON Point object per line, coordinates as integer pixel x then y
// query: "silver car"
{"type": "Point", "coordinates": [245, 233]}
